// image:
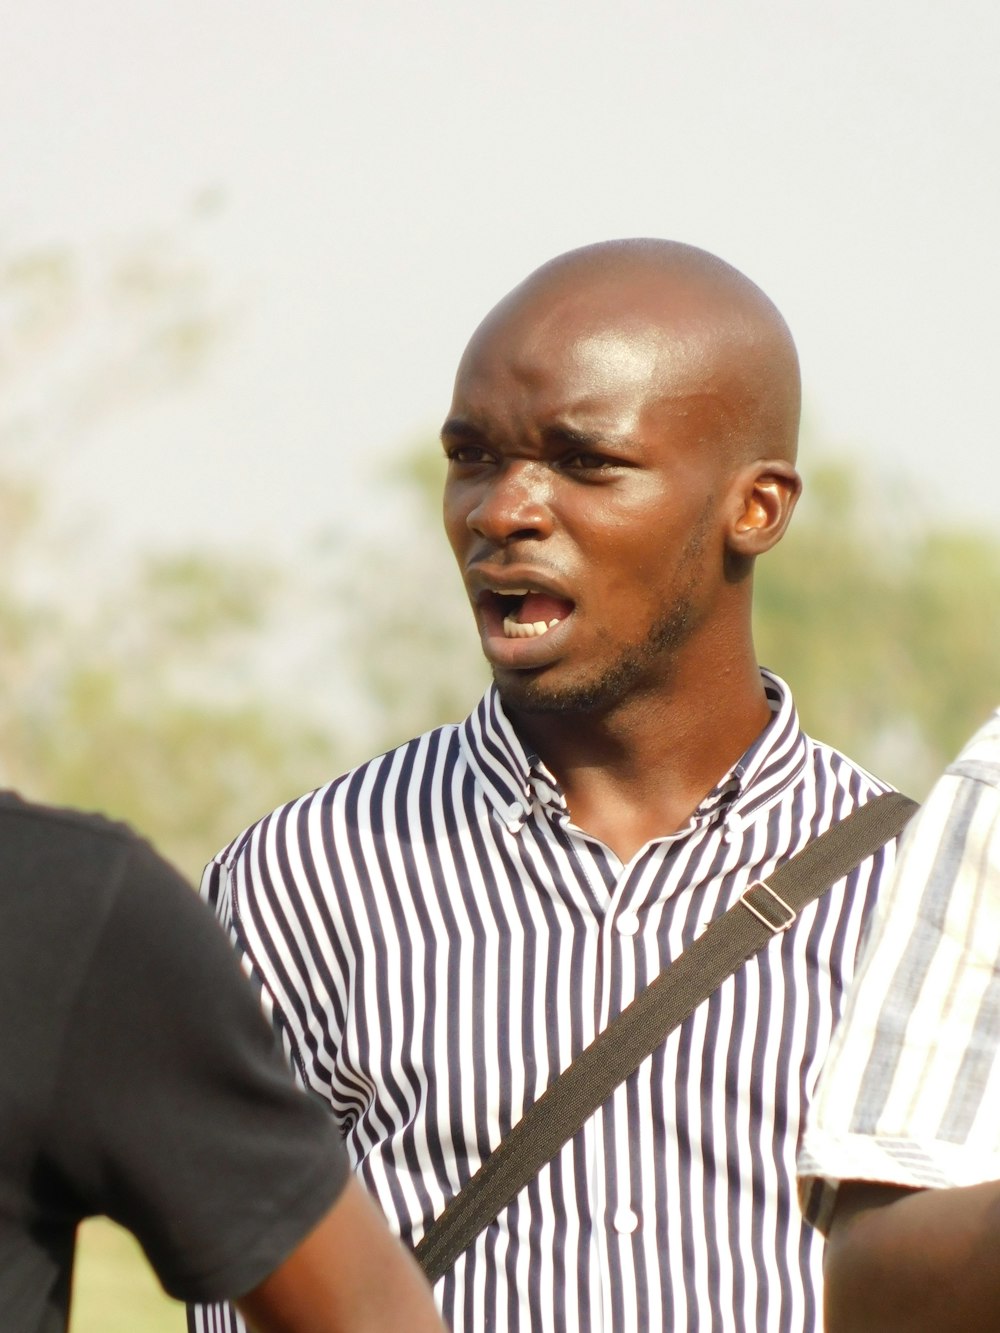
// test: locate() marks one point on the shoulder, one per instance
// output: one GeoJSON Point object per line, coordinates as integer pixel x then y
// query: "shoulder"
{"type": "Point", "coordinates": [954, 843]}
{"type": "Point", "coordinates": [811, 773]}
{"type": "Point", "coordinates": [68, 857]}
{"type": "Point", "coordinates": [825, 787]}
{"type": "Point", "coordinates": [29, 821]}
{"type": "Point", "coordinates": [979, 759]}
{"type": "Point", "coordinates": [832, 767]}
{"type": "Point", "coordinates": [840, 786]}
{"type": "Point", "coordinates": [82, 882]}
{"type": "Point", "coordinates": [338, 806]}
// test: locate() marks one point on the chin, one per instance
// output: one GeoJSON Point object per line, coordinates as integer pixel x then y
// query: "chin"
{"type": "Point", "coordinates": [532, 694]}
{"type": "Point", "coordinates": [642, 668]}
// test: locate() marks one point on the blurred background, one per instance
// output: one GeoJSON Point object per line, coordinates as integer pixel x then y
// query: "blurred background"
{"type": "Point", "coordinates": [241, 248]}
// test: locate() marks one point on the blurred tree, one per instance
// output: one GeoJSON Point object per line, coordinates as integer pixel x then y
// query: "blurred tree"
{"type": "Point", "coordinates": [104, 699]}
{"type": "Point", "coordinates": [885, 623]}
{"type": "Point", "coordinates": [150, 697]}
{"type": "Point", "coordinates": [404, 635]}
{"type": "Point", "coordinates": [140, 689]}
{"type": "Point", "coordinates": [88, 331]}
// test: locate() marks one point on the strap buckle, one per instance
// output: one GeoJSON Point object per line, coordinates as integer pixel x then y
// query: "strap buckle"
{"type": "Point", "coordinates": [775, 926]}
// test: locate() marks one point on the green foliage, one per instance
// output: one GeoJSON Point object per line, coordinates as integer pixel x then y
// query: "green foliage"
{"type": "Point", "coordinates": [407, 641]}
{"type": "Point", "coordinates": [886, 627]}
{"type": "Point", "coordinates": [145, 695]}
{"type": "Point", "coordinates": [140, 690]}
{"type": "Point", "coordinates": [88, 332]}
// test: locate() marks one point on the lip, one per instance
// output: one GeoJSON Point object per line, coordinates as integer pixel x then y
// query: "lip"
{"type": "Point", "coordinates": [516, 654]}
{"type": "Point", "coordinates": [482, 577]}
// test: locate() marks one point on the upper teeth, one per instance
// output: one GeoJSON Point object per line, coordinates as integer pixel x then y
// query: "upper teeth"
{"type": "Point", "coordinates": [513, 629]}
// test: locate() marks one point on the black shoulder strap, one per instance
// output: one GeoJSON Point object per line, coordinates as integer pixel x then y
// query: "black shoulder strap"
{"type": "Point", "coordinates": [764, 910]}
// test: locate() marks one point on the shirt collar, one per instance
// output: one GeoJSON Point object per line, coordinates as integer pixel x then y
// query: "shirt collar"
{"type": "Point", "coordinates": [514, 779]}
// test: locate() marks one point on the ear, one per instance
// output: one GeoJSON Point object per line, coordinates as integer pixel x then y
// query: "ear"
{"type": "Point", "coordinates": [764, 496]}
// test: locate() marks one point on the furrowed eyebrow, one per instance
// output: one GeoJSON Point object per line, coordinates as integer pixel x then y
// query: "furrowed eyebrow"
{"type": "Point", "coordinates": [567, 435]}
{"type": "Point", "coordinates": [457, 429]}
{"type": "Point", "coordinates": [578, 439]}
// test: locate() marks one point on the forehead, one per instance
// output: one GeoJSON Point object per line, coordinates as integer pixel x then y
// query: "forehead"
{"type": "Point", "coordinates": [583, 358]}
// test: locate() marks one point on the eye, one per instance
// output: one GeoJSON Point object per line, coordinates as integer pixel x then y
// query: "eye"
{"type": "Point", "coordinates": [582, 455]}
{"type": "Point", "coordinates": [589, 465]}
{"type": "Point", "coordinates": [585, 462]}
{"type": "Point", "coordinates": [468, 454]}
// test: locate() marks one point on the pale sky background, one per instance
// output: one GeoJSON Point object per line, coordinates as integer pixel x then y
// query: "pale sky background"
{"type": "Point", "coordinates": [388, 170]}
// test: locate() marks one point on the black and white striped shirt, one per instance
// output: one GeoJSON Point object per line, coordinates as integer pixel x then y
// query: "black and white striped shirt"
{"type": "Point", "coordinates": [436, 941]}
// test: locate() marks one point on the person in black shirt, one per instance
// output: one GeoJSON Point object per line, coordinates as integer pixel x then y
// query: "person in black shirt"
{"type": "Point", "coordinates": [119, 1097]}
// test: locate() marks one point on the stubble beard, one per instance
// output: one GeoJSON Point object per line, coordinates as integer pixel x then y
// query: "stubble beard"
{"type": "Point", "coordinates": [619, 681]}
{"type": "Point", "coordinates": [648, 665]}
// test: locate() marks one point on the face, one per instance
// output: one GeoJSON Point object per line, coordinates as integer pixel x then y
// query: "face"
{"type": "Point", "coordinates": [585, 504]}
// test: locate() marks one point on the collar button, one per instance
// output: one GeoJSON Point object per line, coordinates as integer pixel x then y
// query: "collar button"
{"type": "Point", "coordinates": [514, 816]}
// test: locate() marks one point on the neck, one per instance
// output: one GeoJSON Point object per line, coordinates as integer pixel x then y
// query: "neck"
{"type": "Point", "coordinates": [638, 770]}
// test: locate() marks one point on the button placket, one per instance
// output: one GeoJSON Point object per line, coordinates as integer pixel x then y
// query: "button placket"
{"type": "Point", "coordinates": [627, 923]}
{"type": "Point", "coordinates": [622, 926]}
{"type": "Point", "coordinates": [625, 1220]}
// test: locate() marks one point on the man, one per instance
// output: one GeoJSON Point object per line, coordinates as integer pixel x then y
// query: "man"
{"type": "Point", "coordinates": [903, 1150]}
{"type": "Point", "coordinates": [438, 934]}
{"type": "Point", "coordinates": [139, 1079]}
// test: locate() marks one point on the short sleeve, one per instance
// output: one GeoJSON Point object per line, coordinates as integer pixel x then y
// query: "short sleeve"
{"type": "Point", "coordinates": [910, 1092]}
{"type": "Point", "coordinates": [175, 1113]}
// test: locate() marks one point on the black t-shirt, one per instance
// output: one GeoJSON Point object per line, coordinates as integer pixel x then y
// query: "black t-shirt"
{"type": "Point", "coordinates": [138, 1077]}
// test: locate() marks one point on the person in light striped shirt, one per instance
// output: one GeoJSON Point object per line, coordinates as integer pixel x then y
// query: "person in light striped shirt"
{"type": "Point", "coordinates": [901, 1159]}
{"type": "Point", "coordinates": [438, 933]}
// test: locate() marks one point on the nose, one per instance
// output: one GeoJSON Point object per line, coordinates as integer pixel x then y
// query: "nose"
{"type": "Point", "coordinates": [514, 503]}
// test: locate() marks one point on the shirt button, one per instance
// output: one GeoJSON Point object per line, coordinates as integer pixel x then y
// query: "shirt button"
{"type": "Point", "coordinates": [627, 923]}
{"type": "Point", "coordinates": [515, 813]}
{"type": "Point", "coordinates": [626, 1221]}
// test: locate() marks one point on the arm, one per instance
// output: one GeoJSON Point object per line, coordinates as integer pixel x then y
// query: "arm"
{"type": "Point", "coordinates": [913, 1261]}
{"type": "Point", "coordinates": [908, 1093]}
{"type": "Point", "coordinates": [350, 1275]}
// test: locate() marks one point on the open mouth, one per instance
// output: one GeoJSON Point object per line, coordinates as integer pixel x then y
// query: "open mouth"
{"type": "Point", "coordinates": [525, 614]}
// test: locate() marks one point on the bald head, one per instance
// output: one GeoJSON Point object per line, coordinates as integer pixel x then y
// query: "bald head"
{"type": "Point", "coordinates": [691, 324]}
{"type": "Point", "coordinates": [620, 451]}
